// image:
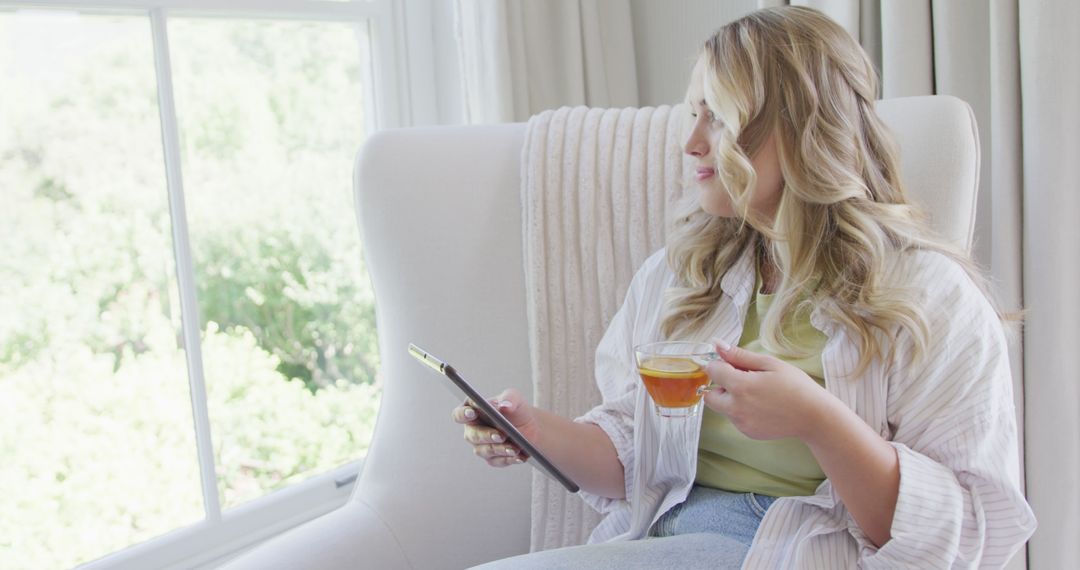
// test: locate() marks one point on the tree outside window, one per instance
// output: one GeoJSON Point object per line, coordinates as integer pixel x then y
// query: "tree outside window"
{"type": "Point", "coordinates": [95, 410]}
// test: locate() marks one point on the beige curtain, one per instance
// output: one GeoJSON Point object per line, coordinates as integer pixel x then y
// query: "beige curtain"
{"type": "Point", "coordinates": [1016, 64]}
{"type": "Point", "coordinates": [520, 57]}
{"type": "Point", "coordinates": [1050, 162]}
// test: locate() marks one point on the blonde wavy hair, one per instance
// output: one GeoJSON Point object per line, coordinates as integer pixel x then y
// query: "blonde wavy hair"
{"type": "Point", "coordinates": [842, 213]}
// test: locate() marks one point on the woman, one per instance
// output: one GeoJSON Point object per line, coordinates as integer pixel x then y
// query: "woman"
{"type": "Point", "coordinates": [864, 414]}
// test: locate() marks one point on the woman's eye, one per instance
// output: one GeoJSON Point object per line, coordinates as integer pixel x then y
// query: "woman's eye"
{"type": "Point", "coordinates": [708, 115]}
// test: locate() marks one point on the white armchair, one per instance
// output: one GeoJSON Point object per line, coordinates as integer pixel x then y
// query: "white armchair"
{"type": "Point", "coordinates": [441, 219]}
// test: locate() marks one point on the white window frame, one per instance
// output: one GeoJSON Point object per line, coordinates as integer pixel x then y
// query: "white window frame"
{"type": "Point", "coordinates": [220, 535]}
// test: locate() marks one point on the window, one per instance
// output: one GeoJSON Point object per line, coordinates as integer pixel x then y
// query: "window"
{"type": "Point", "coordinates": [187, 341]}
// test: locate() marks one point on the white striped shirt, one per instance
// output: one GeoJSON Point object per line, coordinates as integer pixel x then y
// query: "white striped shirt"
{"type": "Point", "coordinates": [950, 417]}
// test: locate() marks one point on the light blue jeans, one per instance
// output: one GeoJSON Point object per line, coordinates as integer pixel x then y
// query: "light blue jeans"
{"type": "Point", "coordinates": [711, 529]}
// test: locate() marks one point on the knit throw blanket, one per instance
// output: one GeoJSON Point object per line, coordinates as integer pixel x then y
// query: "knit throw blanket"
{"type": "Point", "coordinates": [596, 186]}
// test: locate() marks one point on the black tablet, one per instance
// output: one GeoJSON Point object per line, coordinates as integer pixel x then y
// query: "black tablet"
{"type": "Point", "coordinates": [489, 415]}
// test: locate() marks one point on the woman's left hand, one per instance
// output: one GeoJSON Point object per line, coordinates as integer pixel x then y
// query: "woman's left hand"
{"type": "Point", "coordinates": [764, 397]}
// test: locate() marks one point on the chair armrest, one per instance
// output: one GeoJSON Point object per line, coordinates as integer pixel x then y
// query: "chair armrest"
{"type": "Point", "coordinates": [352, 536]}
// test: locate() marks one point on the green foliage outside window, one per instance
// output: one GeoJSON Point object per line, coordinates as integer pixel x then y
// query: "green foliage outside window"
{"type": "Point", "coordinates": [96, 429]}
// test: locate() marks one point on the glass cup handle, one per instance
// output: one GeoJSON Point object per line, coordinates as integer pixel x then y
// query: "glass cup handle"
{"type": "Point", "coordinates": [704, 361]}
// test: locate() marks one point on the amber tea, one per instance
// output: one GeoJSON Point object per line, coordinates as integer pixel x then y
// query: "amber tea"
{"type": "Point", "coordinates": [673, 382]}
{"type": "Point", "coordinates": [674, 375]}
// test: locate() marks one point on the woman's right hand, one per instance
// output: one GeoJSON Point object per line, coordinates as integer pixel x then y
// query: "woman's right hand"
{"type": "Point", "coordinates": [490, 443]}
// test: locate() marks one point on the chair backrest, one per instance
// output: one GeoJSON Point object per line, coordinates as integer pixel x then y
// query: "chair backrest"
{"type": "Point", "coordinates": [440, 214]}
{"type": "Point", "coordinates": [939, 159]}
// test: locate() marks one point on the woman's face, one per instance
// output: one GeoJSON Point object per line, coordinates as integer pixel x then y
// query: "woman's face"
{"type": "Point", "coordinates": [701, 144]}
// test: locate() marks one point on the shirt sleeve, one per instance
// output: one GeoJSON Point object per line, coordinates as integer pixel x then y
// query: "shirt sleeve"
{"type": "Point", "coordinates": [617, 378]}
{"type": "Point", "coordinates": [953, 426]}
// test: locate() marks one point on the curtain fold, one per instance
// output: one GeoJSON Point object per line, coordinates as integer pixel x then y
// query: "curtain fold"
{"type": "Point", "coordinates": [907, 48]}
{"type": "Point", "coordinates": [1004, 230]}
{"type": "Point", "coordinates": [961, 40]}
{"type": "Point", "coordinates": [1050, 95]}
{"type": "Point", "coordinates": [520, 57]}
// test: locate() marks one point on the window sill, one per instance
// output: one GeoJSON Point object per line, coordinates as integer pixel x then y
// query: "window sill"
{"type": "Point", "coordinates": [208, 544]}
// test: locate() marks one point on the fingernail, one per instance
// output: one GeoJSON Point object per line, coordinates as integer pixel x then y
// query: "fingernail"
{"type": "Point", "coordinates": [470, 414]}
{"type": "Point", "coordinates": [496, 438]}
{"type": "Point", "coordinates": [518, 460]}
{"type": "Point", "coordinates": [722, 345]}
{"type": "Point", "coordinates": [511, 451]}
{"type": "Point", "coordinates": [505, 404]}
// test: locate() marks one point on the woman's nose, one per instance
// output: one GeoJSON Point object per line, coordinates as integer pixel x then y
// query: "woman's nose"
{"type": "Point", "coordinates": [696, 146]}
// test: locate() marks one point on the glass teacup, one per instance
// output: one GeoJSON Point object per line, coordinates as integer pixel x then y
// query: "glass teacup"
{"type": "Point", "coordinates": [674, 375]}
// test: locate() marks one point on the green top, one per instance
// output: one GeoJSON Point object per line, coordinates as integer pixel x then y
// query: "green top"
{"type": "Point", "coordinates": [729, 460]}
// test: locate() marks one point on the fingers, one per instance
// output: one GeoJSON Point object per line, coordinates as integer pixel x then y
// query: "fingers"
{"type": "Point", "coordinates": [719, 400]}
{"type": "Point", "coordinates": [723, 375]}
{"type": "Point", "coordinates": [509, 402]}
{"type": "Point", "coordinates": [743, 359]}
{"type": "Point", "coordinates": [509, 398]}
{"type": "Point", "coordinates": [488, 443]}
{"type": "Point", "coordinates": [477, 434]}
{"type": "Point", "coordinates": [464, 414]}
{"type": "Point", "coordinates": [505, 461]}
{"type": "Point", "coordinates": [499, 455]}
{"type": "Point", "coordinates": [491, 444]}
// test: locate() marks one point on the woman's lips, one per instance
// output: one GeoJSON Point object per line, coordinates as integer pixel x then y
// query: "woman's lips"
{"type": "Point", "coordinates": [703, 173]}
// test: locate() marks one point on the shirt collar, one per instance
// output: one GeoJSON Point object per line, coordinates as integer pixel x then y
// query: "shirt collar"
{"type": "Point", "coordinates": [739, 280]}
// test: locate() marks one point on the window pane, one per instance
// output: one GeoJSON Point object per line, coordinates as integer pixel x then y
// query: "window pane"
{"type": "Point", "coordinates": [96, 430]}
{"type": "Point", "coordinates": [271, 116]}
